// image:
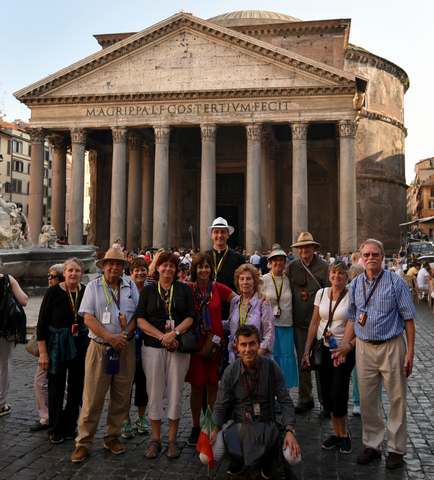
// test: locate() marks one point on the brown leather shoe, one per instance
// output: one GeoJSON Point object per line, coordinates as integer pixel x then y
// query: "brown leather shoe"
{"type": "Point", "coordinates": [394, 460]}
{"type": "Point", "coordinates": [172, 450]}
{"type": "Point", "coordinates": [368, 455]}
{"type": "Point", "coordinates": [115, 446]}
{"type": "Point", "coordinates": [153, 449]}
{"type": "Point", "coordinates": [79, 454]}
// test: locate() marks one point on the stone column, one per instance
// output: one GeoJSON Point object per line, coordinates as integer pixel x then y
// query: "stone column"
{"type": "Point", "coordinates": [268, 189]}
{"type": "Point", "coordinates": [94, 205]}
{"type": "Point", "coordinates": [147, 194]}
{"type": "Point", "coordinates": [75, 229]}
{"type": "Point", "coordinates": [134, 191]}
{"type": "Point", "coordinates": [299, 179]}
{"type": "Point", "coordinates": [118, 209]}
{"type": "Point", "coordinates": [347, 187]}
{"type": "Point", "coordinates": [253, 188]}
{"type": "Point", "coordinates": [207, 184]}
{"type": "Point", "coordinates": [58, 186]}
{"type": "Point", "coordinates": [36, 188]}
{"type": "Point", "coordinates": [161, 188]}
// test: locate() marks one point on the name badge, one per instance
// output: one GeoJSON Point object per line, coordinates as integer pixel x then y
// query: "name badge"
{"type": "Point", "coordinates": [362, 318]}
{"type": "Point", "coordinates": [276, 311]}
{"type": "Point", "coordinates": [256, 409]}
{"type": "Point", "coordinates": [106, 318]}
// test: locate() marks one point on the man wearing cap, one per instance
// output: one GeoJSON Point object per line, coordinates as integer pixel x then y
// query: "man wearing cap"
{"type": "Point", "coordinates": [108, 308]}
{"type": "Point", "coordinates": [225, 260]}
{"type": "Point", "coordinates": [307, 274]}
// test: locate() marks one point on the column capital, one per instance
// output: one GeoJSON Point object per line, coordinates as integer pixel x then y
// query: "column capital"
{"type": "Point", "coordinates": [119, 134]}
{"type": "Point", "coordinates": [299, 130]}
{"type": "Point", "coordinates": [208, 131]}
{"type": "Point", "coordinates": [347, 128]}
{"type": "Point", "coordinates": [37, 135]}
{"type": "Point", "coordinates": [134, 140]}
{"type": "Point", "coordinates": [254, 132]}
{"type": "Point", "coordinates": [57, 140]}
{"type": "Point", "coordinates": [162, 134]}
{"type": "Point", "coordinates": [78, 135]}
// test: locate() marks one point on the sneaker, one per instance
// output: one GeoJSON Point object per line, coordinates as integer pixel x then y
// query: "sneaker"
{"type": "Point", "coordinates": [330, 443]}
{"type": "Point", "coordinates": [394, 460]}
{"type": "Point", "coordinates": [127, 430]}
{"type": "Point", "coordinates": [5, 410]}
{"type": "Point", "coordinates": [356, 411]}
{"type": "Point", "coordinates": [194, 437]}
{"type": "Point", "coordinates": [56, 438]}
{"type": "Point", "coordinates": [345, 444]}
{"type": "Point", "coordinates": [368, 455]}
{"type": "Point", "coordinates": [79, 455]}
{"type": "Point", "coordinates": [142, 425]}
{"type": "Point", "coordinates": [115, 446]}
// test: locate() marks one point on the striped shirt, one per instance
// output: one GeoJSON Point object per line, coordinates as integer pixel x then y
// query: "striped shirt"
{"type": "Point", "coordinates": [390, 305]}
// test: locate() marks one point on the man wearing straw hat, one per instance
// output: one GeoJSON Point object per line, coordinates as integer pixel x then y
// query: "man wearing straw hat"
{"type": "Point", "coordinates": [307, 275]}
{"type": "Point", "coordinates": [108, 308]}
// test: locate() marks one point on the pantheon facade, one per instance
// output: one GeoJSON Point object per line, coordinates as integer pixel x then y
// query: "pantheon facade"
{"type": "Point", "coordinates": [277, 124]}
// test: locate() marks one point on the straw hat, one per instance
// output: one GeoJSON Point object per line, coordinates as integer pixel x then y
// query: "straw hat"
{"type": "Point", "coordinates": [221, 222]}
{"type": "Point", "coordinates": [276, 251]}
{"type": "Point", "coordinates": [305, 239]}
{"type": "Point", "coordinates": [112, 254]}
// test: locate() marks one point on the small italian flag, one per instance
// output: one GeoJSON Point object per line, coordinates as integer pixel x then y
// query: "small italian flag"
{"type": "Point", "coordinates": [203, 445]}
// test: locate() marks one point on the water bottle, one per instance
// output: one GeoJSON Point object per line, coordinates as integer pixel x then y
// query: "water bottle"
{"type": "Point", "coordinates": [112, 365]}
{"type": "Point", "coordinates": [332, 342]}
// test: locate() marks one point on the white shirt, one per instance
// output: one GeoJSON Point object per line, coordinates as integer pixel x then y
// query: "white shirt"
{"type": "Point", "coordinates": [269, 292]}
{"type": "Point", "coordinates": [255, 259]}
{"type": "Point", "coordinates": [340, 317]}
{"type": "Point", "coordinates": [423, 278]}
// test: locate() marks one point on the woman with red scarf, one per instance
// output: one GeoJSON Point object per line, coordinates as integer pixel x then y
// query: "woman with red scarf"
{"type": "Point", "coordinates": [204, 365]}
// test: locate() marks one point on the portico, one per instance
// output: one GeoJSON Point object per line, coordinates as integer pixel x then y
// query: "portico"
{"type": "Point", "coordinates": [283, 123]}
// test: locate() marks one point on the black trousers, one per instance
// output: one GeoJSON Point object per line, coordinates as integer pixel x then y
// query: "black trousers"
{"type": "Point", "coordinates": [63, 418]}
{"type": "Point", "coordinates": [140, 393]}
{"type": "Point", "coordinates": [335, 383]}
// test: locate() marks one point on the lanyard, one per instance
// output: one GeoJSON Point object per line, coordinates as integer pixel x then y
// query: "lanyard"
{"type": "Point", "coordinates": [110, 297]}
{"type": "Point", "coordinates": [377, 281]}
{"type": "Point", "coordinates": [74, 302]}
{"type": "Point", "coordinates": [333, 310]}
{"type": "Point", "coordinates": [168, 301]}
{"type": "Point", "coordinates": [218, 266]}
{"type": "Point", "coordinates": [278, 291]}
{"type": "Point", "coordinates": [243, 312]}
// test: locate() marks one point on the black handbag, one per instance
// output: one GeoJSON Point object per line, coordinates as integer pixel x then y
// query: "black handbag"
{"type": "Point", "coordinates": [188, 342]}
{"type": "Point", "coordinates": [315, 354]}
{"type": "Point", "coordinates": [13, 322]}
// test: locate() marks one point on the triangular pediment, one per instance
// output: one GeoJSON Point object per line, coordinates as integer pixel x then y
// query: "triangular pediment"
{"type": "Point", "coordinates": [185, 54]}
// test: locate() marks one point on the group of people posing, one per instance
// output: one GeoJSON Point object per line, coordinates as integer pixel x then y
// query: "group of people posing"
{"type": "Point", "coordinates": [227, 332]}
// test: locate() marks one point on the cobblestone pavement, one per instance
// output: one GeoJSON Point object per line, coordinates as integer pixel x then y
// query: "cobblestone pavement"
{"type": "Point", "coordinates": [24, 455]}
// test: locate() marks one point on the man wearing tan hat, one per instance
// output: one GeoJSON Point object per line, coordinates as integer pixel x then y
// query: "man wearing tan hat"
{"type": "Point", "coordinates": [307, 275]}
{"type": "Point", "coordinates": [108, 308]}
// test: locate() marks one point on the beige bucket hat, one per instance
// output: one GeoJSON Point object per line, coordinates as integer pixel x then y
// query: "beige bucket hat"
{"type": "Point", "coordinates": [112, 254]}
{"type": "Point", "coordinates": [304, 239]}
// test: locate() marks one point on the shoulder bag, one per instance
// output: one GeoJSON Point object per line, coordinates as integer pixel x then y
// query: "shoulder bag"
{"type": "Point", "coordinates": [13, 325]}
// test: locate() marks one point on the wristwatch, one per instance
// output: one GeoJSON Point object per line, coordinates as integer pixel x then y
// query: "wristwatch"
{"type": "Point", "coordinates": [290, 428]}
{"type": "Point", "coordinates": [178, 333]}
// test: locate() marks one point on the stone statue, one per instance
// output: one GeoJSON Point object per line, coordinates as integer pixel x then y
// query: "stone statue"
{"type": "Point", "coordinates": [48, 237]}
{"type": "Point", "coordinates": [13, 225]}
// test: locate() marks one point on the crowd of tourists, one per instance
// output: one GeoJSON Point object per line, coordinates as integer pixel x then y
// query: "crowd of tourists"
{"type": "Point", "coordinates": [240, 330]}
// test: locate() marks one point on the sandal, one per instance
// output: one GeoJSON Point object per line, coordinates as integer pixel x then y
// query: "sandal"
{"type": "Point", "coordinates": [5, 410]}
{"type": "Point", "coordinates": [172, 450]}
{"type": "Point", "coordinates": [153, 449]}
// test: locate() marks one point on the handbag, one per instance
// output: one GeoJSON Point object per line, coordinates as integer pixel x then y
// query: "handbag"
{"type": "Point", "coordinates": [209, 348]}
{"type": "Point", "coordinates": [13, 325]}
{"type": "Point", "coordinates": [32, 346]}
{"type": "Point", "coordinates": [187, 342]}
{"type": "Point", "coordinates": [315, 354]}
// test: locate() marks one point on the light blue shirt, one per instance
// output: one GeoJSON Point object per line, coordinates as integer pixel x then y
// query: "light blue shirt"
{"type": "Point", "coordinates": [388, 309]}
{"type": "Point", "coordinates": [95, 303]}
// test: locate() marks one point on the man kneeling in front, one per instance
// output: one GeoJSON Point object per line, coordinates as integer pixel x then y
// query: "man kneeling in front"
{"type": "Point", "coordinates": [246, 396]}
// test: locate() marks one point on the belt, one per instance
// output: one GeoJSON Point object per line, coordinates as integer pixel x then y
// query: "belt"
{"type": "Point", "coordinates": [101, 343]}
{"type": "Point", "coordinates": [378, 342]}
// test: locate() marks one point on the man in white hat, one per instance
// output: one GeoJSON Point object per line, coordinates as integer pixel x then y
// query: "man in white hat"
{"type": "Point", "coordinates": [108, 307]}
{"type": "Point", "coordinates": [307, 275]}
{"type": "Point", "coordinates": [225, 260]}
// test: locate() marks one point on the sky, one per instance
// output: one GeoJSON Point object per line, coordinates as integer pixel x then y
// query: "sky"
{"type": "Point", "coordinates": [39, 38]}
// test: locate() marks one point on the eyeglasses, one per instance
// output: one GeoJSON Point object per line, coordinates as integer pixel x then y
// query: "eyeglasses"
{"type": "Point", "coordinates": [51, 277]}
{"type": "Point", "coordinates": [370, 254]}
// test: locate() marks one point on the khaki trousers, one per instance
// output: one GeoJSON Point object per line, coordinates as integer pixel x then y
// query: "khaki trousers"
{"type": "Point", "coordinates": [5, 354]}
{"type": "Point", "coordinates": [377, 365]}
{"type": "Point", "coordinates": [305, 377]}
{"type": "Point", "coordinates": [96, 385]}
{"type": "Point", "coordinates": [40, 386]}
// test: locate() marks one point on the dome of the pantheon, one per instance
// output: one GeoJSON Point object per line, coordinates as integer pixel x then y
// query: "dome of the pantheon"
{"type": "Point", "coordinates": [251, 17]}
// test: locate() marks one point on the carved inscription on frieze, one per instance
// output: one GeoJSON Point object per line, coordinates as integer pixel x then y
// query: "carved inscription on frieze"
{"type": "Point", "coordinates": [203, 108]}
